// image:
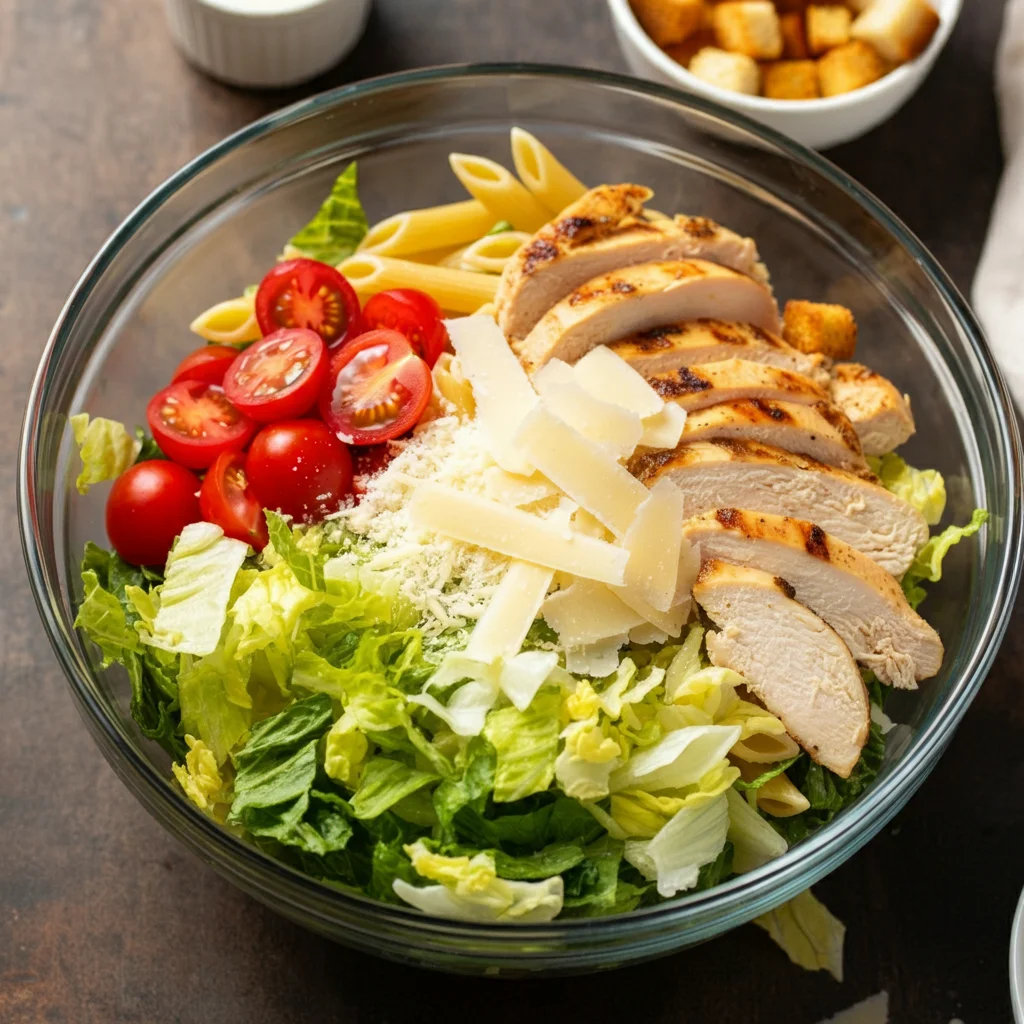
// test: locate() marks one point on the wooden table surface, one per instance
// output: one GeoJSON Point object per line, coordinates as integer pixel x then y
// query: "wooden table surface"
{"type": "Point", "coordinates": [103, 916]}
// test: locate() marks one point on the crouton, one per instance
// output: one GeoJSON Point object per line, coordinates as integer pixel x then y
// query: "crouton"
{"type": "Point", "coordinates": [683, 53]}
{"type": "Point", "coordinates": [750, 27]}
{"type": "Point", "coordinates": [669, 22]}
{"type": "Point", "coordinates": [827, 28]}
{"type": "Point", "coordinates": [794, 39]}
{"type": "Point", "coordinates": [733, 71]}
{"type": "Point", "coordinates": [820, 327]}
{"type": "Point", "coordinates": [898, 29]}
{"type": "Point", "coordinates": [849, 67]}
{"type": "Point", "coordinates": [791, 80]}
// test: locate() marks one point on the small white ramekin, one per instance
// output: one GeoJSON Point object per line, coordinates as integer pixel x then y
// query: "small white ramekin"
{"type": "Point", "coordinates": [815, 123]}
{"type": "Point", "coordinates": [266, 43]}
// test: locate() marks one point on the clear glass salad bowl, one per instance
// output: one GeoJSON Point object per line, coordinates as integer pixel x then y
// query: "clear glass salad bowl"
{"type": "Point", "coordinates": [216, 225]}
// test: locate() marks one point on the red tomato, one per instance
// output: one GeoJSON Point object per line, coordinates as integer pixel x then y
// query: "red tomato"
{"type": "Point", "coordinates": [376, 389]}
{"type": "Point", "coordinates": [148, 506]}
{"type": "Point", "coordinates": [278, 378]}
{"type": "Point", "coordinates": [225, 499]}
{"type": "Point", "coordinates": [300, 468]}
{"type": "Point", "coordinates": [208, 364]}
{"type": "Point", "coordinates": [414, 314]}
{"type": "Point", "coordinates": [305, 293]}
{"type": "Point", "coordinates": [194, 422]}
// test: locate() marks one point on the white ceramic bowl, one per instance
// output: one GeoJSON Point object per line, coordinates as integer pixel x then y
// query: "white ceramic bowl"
{"type": "Point", "coordinates": [815, 123]}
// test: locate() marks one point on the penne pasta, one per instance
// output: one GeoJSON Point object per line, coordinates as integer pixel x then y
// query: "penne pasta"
{"type": "Point", "coordinates": [458, 291]}
{"type": "Point", "coordinates": [781, 799]}
{"type": "Point", "coordinates": [488, 255]}
{"type": "Point", "coordinates": [487, 309]}
{"type": "Point", "coordinates": [228, 323]}
{"type": "Point", "coordinates": [436, 227]}
{"type": "Point", "coordinates": [500, 191]}
{"type": "Point", "coordinates": [764, 748]}
{"type": "Point", "coordinates": [543, 174]}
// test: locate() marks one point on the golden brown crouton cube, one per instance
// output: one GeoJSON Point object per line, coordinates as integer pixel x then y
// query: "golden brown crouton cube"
{"type": "Point", "coordinates": [794, 38]}
{"type": "Point", "coordinates": [683, 53]}
{"type": "Point", "coordinates": [898, 29]}
{"type": "Point", "coordinates": [669, 22]}
{"type": "Point", "coordinates": [750, 27]}
{"type": "Point", "coordinates": [827, 28]}
{"type": "Point", "coordinates": [820, 327]}
{"type": "Point", "coordinates": [734, 71]}
{"type": "Point", "coordinates": [849, 67]}
{"type": "Point", "coordinates": [790, 80]}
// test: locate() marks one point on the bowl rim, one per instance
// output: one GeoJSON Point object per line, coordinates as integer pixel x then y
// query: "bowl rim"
{"type": "Point", "coordinates": [1017, 962]}
{"type": "Point", "coordinates": [622, 14]}
{"type": "Point", "coordinates": [795, 870]}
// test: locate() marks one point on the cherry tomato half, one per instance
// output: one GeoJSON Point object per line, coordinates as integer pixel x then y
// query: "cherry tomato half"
{"type": "Point", "coordinates": [279, 377]}
{"type": "Point", "coordinates": [225, 499]}
{"type": "Point", "coordinates": [148, 506]}
{"type": "Point", "coordinates": [208, 364]}
{"type": "Point", "coordinates": [305, 293]}
{"type": "Point", "coordinates": [194, 422]}
{"type": "Point", "coordinates": [414, 314]}
{"type": "Point", "coordinates": [376, 389]}
{"type": "Point", "coordinates": [300, 468]}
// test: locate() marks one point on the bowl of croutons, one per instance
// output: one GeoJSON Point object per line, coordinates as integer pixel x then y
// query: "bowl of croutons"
{"type": "Point", "coordinates": [822, 73]}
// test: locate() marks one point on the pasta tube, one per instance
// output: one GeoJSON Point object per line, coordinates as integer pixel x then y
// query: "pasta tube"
{"type": "Point", "coordinates": [228, 323]}
{"type": "Point", "coordinates": [544, 175]}
{"type": "Point", "coordinates": [436, 227]}
{"type": "Point", "coordinates": [488, 255]}
{"type": "Point", "coordinates": [766, 748]}
{"type": "Point", "coordinates": [781, 799]}
{"type": "Point", "coordinates": [504, 195]}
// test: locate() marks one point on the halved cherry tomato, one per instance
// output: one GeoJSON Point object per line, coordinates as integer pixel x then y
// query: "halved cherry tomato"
{"type": "Point", "coordinates": [279, 377]}
{"type": "Point", "coordinates": [414, 314]}
{"type": "Point", "coordinates": [376, 389]}
{"type": "Point", "coordinates": [300, 468]}
{"type": "Point", "coordinates": [208, 364]}
{"type": "Point", "coordinates": [305, 293]}
{"type": "Point", "coordinates": [194, 422]}
{"type": "Point", "coordinates": [148, 506]}
{"type": "Point", "coordinates": [225, 499]}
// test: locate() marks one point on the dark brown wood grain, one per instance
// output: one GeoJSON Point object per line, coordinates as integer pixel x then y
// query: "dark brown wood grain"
{"type": "Point", "coordinates": [103, 916]}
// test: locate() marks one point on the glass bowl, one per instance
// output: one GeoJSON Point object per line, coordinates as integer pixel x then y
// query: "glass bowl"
{"type": "Point", "coordinates": [217, 224]}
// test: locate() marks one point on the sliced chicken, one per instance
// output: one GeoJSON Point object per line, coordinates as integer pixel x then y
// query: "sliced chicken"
{"type": "Point", "coordinates": [744, 474]}
{"type": "Point", "coordinates": [732, 379]}
{"type": "Point", "coordinates": [606, 229]}
{"type": "Point", "coordinates": [879, 413]}
{"type": "Point", "coordinates": [622, 302]}
{"type": "Point", "coordinates": [794, 663]}
{"type": "Point", "coordinates": [664, 349]}
{"type": "Point", "coordinates": [819, 431]}
{"type": "Point", "coordinates": [859, 600]}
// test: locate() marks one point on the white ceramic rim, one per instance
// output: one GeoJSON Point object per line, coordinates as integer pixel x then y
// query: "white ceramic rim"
{"type": "Point", "coordinates": [1017, 963]}
{"type": "Point", "coordinates": [264, 10]}
{"type": "Point", "coordinates": [627, 21]}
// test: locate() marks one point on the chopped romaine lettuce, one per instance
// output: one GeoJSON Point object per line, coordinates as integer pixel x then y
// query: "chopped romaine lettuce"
{"type": "Point", "coordinates": [927, 564]}
{"type": "Point", "coordinates": [923, 488]}
{"type": "Point", "coordinates": [526, 743]}
{"type": "Point", "coordinates": [106, 449]}
{"type": "Point", "coordinates": [807, 933]}
{"type": "Point", "coordinates": [339, 225]}
{"type": "Point", "coordinates": [383, 783]}
{"type": "Point", "coordinates": [754, 841]}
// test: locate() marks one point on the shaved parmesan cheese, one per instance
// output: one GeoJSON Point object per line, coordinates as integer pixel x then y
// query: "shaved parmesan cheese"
{"type": "Point", "coordinates": [522, 676]}
{"type": "Point", "coordinates": [647, 633]}
{"type": "Point", "coordinates": [654, 542]}
{"type": "Point", "coordinates": [513, 489]}
{"type": "Point", "coordinates": [665, 429]}
{"type": "Point", "coordinates": [595, 660]}
{"type": "Point", "coordinates": [501, 389]}
{"type": "Point", "coordinates": [500, 631]}
{"type": "Point", "coordinates": [608, 376]}
{"type": "Point", "coordinates": [584, 470]}
{"type": "Point", "coordinates": [515, 533]}
{"type": "Point", "coordinates": [586, 613]}
{"type": "Point", "coordinates": [618, 429]}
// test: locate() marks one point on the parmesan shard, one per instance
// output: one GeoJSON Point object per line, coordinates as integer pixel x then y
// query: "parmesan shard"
{"type": "Point", "coordinates": [595, 660]}
{"type": "Point", "coordinates": [501, 389]}
{"type": "Point", "coordinates": [654, 542]}
{"type": "Point", "coordinates": [583, 469]}
{"type": "Point", "coordinates": [665, 429]}
{"type": "Point", "coordinates": [501, 630]}
{"type": "Point", "coordinates": [587, 613]}
{"type": "Point", "coordinates": [513, 489]}
{"type": "Point", "coordinates": [609, 377]}
{"type": "Point", "coordinates": [516, 534]}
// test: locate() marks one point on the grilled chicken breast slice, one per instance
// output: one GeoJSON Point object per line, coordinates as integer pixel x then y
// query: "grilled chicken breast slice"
{"type": "Point", "coordinates": [605, 229]}
{"type": "Point", "coordinates": [818, 431]}
{"type": "Point", "coordinates": [858, 599]}
{"type": "Point", "coordinates": [622, 302]}
{"type": "Point", "coordinates": [694, 342]}
{"type": "Point", "coordinates": [794, 663]}
{"type": "Point", "coordinates": [745, 474]}
{"type": "Point", "coordinates": [730, 380]}
{"type": "Point", "coordinates": [878, 411]}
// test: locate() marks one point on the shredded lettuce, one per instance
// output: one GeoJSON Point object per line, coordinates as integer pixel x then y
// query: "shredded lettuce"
{"type": "Point", "coordinates": [923, 488]}
{"type": "Point", "coordinates": [754, 841]}
{"type": "Point", "coordinates": [807, 933]}
{"type": "Point", "coordinates": [526, 743]}
{"type": "Point", "coordinates": [105, 447]}
{"type": "Point", "coordinates": [927, 564]}
{"type": "Point", "coordinates": [384, 783]}
{"type": "Point", "coordinates": [339, 225]}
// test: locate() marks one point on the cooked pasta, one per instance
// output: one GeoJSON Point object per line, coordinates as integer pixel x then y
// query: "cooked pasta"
{"type": "Point", "coordinates": [487, 255]}
{"type": "Point", "coordinates": [500, 191]}
{"type": "Point", "coordinates": [781, 799]}
{"type": "Point", "coordinates": [458, 291]}
{"type": "Point", "coordinates": [228, 323]}
{"type": "Point", "coordinates": [435, 227]}
{"type": "Point", "coordinates": [543, 174]}
{"type": "Point", "coordinates": [765, 748]}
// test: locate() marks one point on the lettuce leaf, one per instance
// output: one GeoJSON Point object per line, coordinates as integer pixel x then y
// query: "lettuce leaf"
{"type": "Point", "coordinates": [593, 888]}
{"type": "Point", "coordinates": [807, 933]}
{"type": "Point", "coordinates": [470, 790]}
{"type": "Point", "coordinates": [302, 558]}
{"type": "Point", "coordinates": [679, 759]}
{"type": "Point", "coordinates": [776, 769]}
{"type": "Point", "coordinates": [923, 488]}
{"type": "Point", "coordinates": [214, 701]}
{"type": "Point", "coordinates": [555, 859]}
{"type": "Point", "coordinates": [754, 841]}
{"type": "Point", "coordinates": [105, 447]}
{"type": "Point", "coordinates": [384, 783]}
{"type": "Point", "coordinates": [927, 564]}
{"type": "Point", "coordinates": [526, 743]}
{"type": "Point", "coordinates": [338, 226]}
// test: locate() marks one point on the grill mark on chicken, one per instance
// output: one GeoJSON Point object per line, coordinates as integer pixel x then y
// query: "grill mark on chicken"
{"type": "Point", "coordinates": [815, 540]}
{"type": "Point", "coordinates": [786, 587]}
{"type": "Point", "coordinates": [623, 288]}
{"type": "Point", "coordinates": [646, 464]}
{"type": "Point", "coordinates": [569, 228]}
{"type": "Point", "coordinates": [698, 227]}
{"type": "Point", "coordinates": [683, 382]}
{"type": "Point", "coordinates": [539, 252]}
{"type": "Point", "coordinates": [730, 518]}
{"type": "Point", "coordinates": [613, 285]}
{"type": "Point", "coordinates": [838, 419]}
